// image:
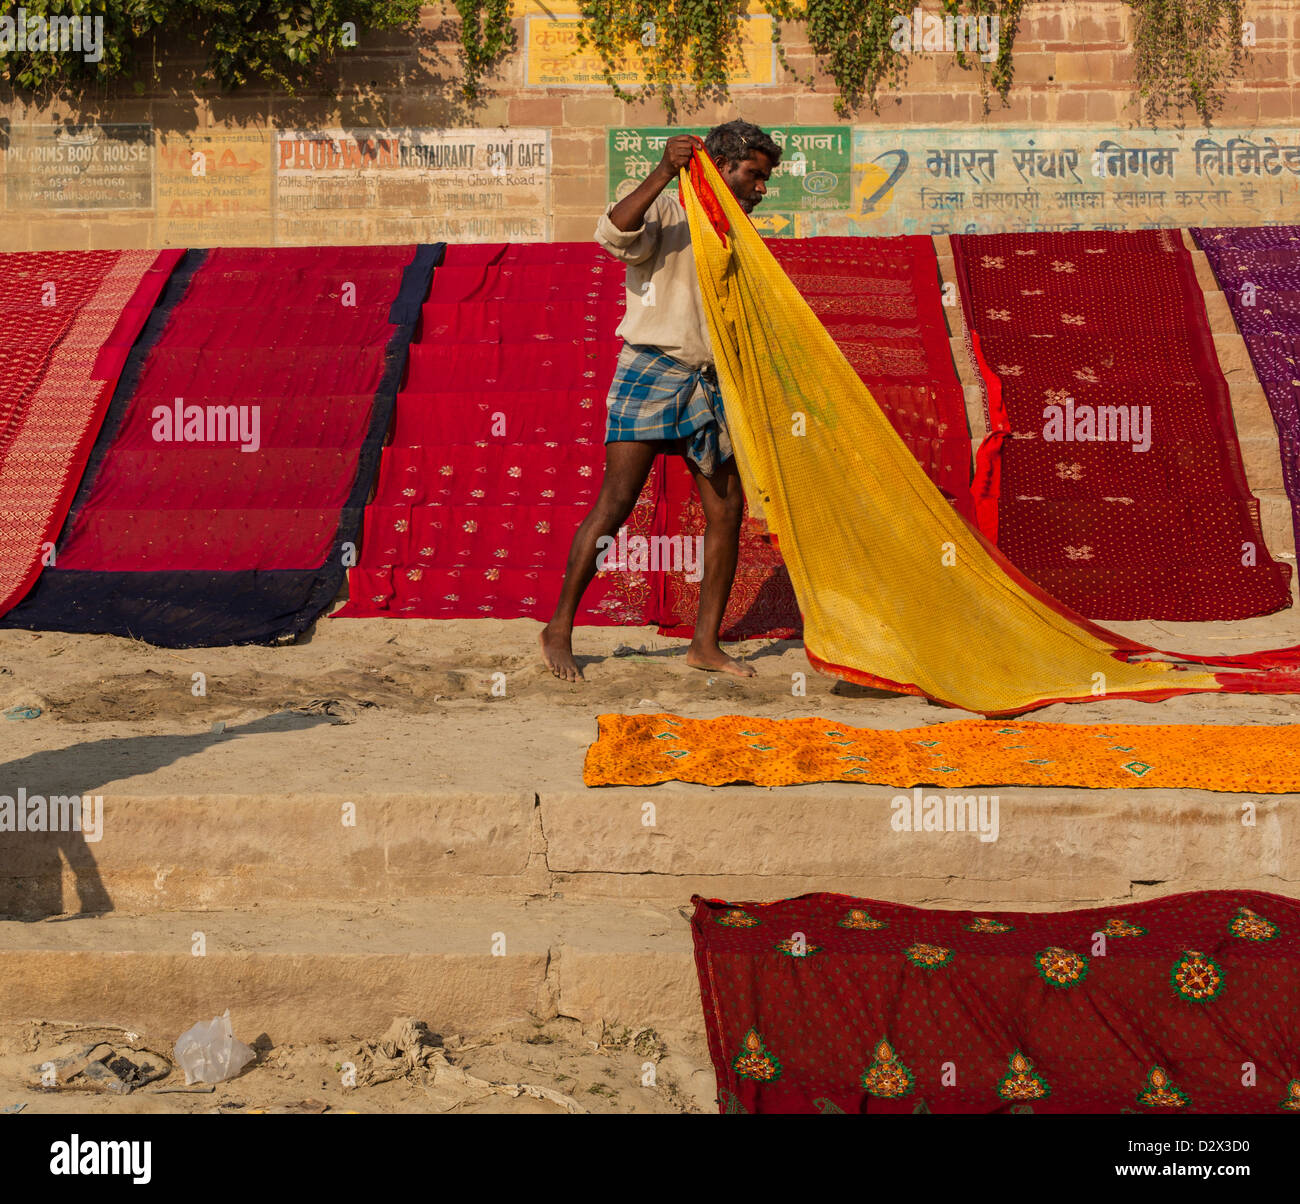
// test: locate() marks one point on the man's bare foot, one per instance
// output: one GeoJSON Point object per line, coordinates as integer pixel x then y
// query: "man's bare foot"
{"type": "Point", "coordinates": [715, 658]}
{"type": "Point", "coordinates": [557, 652]}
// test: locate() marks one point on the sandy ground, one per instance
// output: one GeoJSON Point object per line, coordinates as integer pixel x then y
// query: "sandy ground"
{"type": "Point", "coordinates": [428, 668]}
{"type": "Point", "coordinates": [551, 1068]}
{"type": "Point", "coordinates": [426, 689]}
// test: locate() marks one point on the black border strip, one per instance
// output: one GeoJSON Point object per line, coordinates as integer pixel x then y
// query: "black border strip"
{"type": "Point", "coordinates": [417, 277]}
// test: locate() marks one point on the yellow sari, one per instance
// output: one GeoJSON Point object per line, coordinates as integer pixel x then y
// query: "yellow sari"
{"type": "Point", "coordinates": [897, 590]}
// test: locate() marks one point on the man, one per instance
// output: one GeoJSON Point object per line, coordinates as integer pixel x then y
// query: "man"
{"type": "Point", "coordinates": [665, 397]}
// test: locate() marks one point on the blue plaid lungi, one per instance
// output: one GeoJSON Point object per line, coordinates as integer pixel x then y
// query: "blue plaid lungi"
{"type": "Point", "coordinates": [654, 396]}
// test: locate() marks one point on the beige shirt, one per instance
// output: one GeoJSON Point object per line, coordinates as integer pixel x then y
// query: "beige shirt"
{"type": "Point", "coordinates": [664, 306]}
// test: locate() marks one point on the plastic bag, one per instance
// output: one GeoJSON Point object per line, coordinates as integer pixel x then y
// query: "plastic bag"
{"type": "Point", "coordinates": [209, 1053]}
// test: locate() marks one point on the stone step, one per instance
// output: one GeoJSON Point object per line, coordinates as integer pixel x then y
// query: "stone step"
{"type": "Point", "coordinates": [1219, 313]}
{"type": "Point", "coordinates": [305, 973]}
{"type": "Point", "coordinates": [162, 849]}
{"type": "Point", "coordinates": [178, 851]}
{"type": "Point", "coordinates": [1054, 848]}
{"type": "Point", "coordinates": [1277, 519]}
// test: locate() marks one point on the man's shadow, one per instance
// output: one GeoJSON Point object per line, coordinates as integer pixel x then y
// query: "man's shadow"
{"type": "Point", "coordinates": [31, 870]}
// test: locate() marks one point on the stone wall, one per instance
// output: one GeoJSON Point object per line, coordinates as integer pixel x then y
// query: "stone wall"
{"type": "Point", "coordinates": [386, 151]}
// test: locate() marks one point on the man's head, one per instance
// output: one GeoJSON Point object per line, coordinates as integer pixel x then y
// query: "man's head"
{"type": "Point", "coordinates": [745, 158]}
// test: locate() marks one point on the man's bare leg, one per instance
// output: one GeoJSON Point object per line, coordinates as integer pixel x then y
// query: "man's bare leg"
{"type": "Point", "coordinates": [626, 467]}
{"type": "Point", "coordinates": [723, 503]}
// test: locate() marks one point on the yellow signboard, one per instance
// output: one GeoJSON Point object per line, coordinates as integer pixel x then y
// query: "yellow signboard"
{"type": "Point", "coordinates": [554, 59]}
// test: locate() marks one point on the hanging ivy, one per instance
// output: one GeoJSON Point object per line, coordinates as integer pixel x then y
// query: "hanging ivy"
{"type": "Point", "coordinates": [996, 73]}
{"type": "Point", "coordinates": [676, 44]}
{"type": "Point", "coordinates": [274, 41]}
{"type": "Point", "coordinates": [855, 41]}
{"type": "Point", "coordinates": [1185, 52]}
{"type": "Point", "coordinates": [486, 37]}
{"type": "Point", "coordinates": [696, 45]}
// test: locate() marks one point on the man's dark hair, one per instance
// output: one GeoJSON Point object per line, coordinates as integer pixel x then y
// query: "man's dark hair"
{"type": "Point", "coordinates": [734, 142]}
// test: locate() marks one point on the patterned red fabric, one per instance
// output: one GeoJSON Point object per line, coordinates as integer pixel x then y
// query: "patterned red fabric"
{"type": "Point", "coordinates": [762, 602]}
{"type": "Point", "coordinates": [827, 1003]}
{"type": "Point", "coordinates": [498, 444]}
{"type": "Point", "coordinates": [504, 411]}
{"type": "Point", "coordinates": [879, 299]}
{"type": "Point", "coordinates": [1093, 320]}
{"type": "Point", "coordinates": [296, 336]}
{"type": "Point", "coordinates": [67, 321]}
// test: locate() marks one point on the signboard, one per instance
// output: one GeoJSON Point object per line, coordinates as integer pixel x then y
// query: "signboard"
{"type": "Point", "coordinates": [60, 169]}
{"type": "Point", "coordinates": [553, 58]}
{"type": "Point", "coordinates": [988, 180]}
{"type": "Point", "coordinates": [412, 185]}
{"type": "Point", "coordinates": [215, 189]}
{"type": "Point", "coordinates": [814, 175]}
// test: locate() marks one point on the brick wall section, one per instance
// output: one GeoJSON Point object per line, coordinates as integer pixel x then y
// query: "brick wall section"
{"type": "Point", "coordinates": [1073, 67]}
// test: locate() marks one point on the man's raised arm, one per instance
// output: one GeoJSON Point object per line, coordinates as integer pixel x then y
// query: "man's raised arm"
{"type": "Point", "coordinates": [622, 229]}
{"type": "Point", "coordinates": [629, 213]}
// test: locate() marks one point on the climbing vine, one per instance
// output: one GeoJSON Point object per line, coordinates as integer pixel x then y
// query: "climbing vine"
{"type": "Point", "coordinates": [1185, 52]}
{"type": "Point", "coordinates": [686, 43]}
{"type": "Point", "coordinates": [863, 44]}
{"type": "Point", "coordinates": [866, 43]}
{"type": "Point", "coordinates": [853, 40]}
{"type": "Point", "coordinates": [274, 41]}
{"type": "Point", "coordinates": [997, 72]}
{"type": "Point", "coordinates": [486, 37]}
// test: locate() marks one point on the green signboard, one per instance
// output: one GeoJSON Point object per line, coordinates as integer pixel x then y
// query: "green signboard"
{"type": "Point", "coordinates": [813, 176]}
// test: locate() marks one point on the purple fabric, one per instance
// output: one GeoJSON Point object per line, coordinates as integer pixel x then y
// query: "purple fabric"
{"type": "Point", "coordinates": [1258, 268]}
